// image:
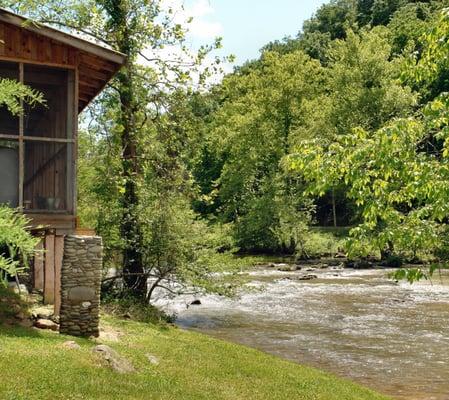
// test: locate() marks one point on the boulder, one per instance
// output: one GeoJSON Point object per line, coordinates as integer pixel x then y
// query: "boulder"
{"type": "Point", "coordinates": [113, 359]}
{"type": "Point", "coordinates": [195, 302]}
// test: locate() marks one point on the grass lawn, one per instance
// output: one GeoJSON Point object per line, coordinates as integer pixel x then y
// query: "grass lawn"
{"type": "Point", "coordinates": [35, 365]}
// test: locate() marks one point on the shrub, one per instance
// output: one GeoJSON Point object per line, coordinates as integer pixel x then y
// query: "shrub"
{"type": "Point", "coordinates": [16, 243]}
{"type": "Point", "coordinates": [320, 244]}
{"type": "Point", "coordinates": [130, 307]}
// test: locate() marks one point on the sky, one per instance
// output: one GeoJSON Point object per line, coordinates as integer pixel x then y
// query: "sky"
{"type": "Point", "coordinates": [246, 25]}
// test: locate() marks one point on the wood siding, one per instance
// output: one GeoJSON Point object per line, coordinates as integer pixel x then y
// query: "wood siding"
{"type": "Point", "coordinates": [25, 45]}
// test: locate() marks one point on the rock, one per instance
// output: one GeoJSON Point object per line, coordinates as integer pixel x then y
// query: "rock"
{"type": "Point", "coordinates": [114, 360]}
{"type": "Point", "coordinates": [26, 323]}
{"type": "Point", "coordinates": [307, 277]}
{"type": "Point", "coordinates": [340, 255]}
{"type": "Point", "coordinates": [46, 324]}
{"type": "Point", "coordinates": [363, 264]}
{"type": "Point", "coordinates": [71, 344]}
{"type": "Point", "coordinates": [152, 359]}
{"type": "Point", "coordinates": [42, 312]}
{"type": "Point", "coordinates": [21, 316]}
{"type": "Point", "coordinates": [310, 269]}
{"type": "Point", "coordinates": [80, 294]}
{"type": "Point", "coordinates": [195, 302]}
{"type": "Point", "coordinates": [19, 289]}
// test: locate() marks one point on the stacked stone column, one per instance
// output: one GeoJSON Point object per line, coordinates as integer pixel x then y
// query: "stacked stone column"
{"type": "Point", "coordinates": [81, 285]}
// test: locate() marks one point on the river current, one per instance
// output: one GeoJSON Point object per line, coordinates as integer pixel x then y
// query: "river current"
{"type": "Point", "coordinates": [392, 337]}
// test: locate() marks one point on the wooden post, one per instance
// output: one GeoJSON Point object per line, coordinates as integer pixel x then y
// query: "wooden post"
{"type": "Point", "coordinates": [21, 143]}
{"type": "Point", "coordinates": [39, 266]}
{"type": "Point", "coordinates": [59, 253]}
{"type": "Point", "coordinates": [49, 283]}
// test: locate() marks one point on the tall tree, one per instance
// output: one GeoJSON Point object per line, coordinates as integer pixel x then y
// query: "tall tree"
{"type": "Point", "coordinates": [133, 104]}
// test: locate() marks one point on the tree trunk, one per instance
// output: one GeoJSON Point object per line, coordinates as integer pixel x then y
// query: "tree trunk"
{"type": "Point", "coordinates": [130, 225]}
{"type": "Point", "coordinates": [334, 208]}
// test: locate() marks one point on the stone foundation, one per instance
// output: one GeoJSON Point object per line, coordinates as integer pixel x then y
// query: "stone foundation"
{"type": "Point", "coordinates": [80, 285]}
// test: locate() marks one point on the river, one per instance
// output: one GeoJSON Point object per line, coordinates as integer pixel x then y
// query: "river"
{"type": "Point", "coordinates": [358, 324]}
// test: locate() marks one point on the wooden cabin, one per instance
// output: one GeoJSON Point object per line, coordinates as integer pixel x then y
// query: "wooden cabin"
{"type": "Point", "coordinates": [38, 150]}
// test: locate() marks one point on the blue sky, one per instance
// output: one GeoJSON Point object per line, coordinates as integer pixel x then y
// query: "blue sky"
{"type": "Point", "coordinates": [247, 25]}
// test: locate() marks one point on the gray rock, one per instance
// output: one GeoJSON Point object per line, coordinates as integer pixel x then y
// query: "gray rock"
{"type": "Point", "coordinates": [307, 277]}
{"type": "Point", "coordinates": [114, 360]}
{"type": "Point", "coordinates": [80, 294]}
{"type": "Point", "coordinates": [20, 289]}
{"type": "Point", "coordinates": [71, 344]}
{"type": "Point", "coordinates": [152, 359]}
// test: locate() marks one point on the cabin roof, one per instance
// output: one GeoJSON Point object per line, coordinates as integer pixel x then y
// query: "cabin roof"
{"type": "Point", "coordinates": [96, 64]}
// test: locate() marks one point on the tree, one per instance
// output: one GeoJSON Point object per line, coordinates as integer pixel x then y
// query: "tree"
{"type": "Point", "coordinates": [260, 105]}
{"type": "Point", "coordinates": [397, 174]}
{"type": "Point", "coordinates": [132, 108]}
{"type": "Point", "coordinates": [13, 95]}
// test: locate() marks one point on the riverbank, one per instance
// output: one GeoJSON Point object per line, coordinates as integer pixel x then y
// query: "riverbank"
{"type": "Point", "coordinates": [183, 365]}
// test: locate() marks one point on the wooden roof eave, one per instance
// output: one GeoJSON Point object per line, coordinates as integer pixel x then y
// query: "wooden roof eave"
{"type": "Point", "coordinates": [96, 64]}
{"type": "Point", "coordinates": [62, 37]}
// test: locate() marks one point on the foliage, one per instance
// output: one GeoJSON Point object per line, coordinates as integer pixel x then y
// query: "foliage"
{"type": "Point", "coordinates": [127, 307]}
{"type": "Point", "coordinates": [16, 243]}
{"type": "Point", "coordinates": [11, 304]}
{"type": "Point", "coordinates": [319, 243]}
{"type": "Point", "coordinates": [250, 133]}
{"type": "Point", "coordinates": [398, 184]}
{"type": "Point", "coordinates": [13, 94]}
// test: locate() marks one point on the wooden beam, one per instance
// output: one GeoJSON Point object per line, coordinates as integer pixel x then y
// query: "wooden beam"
{"type": "Point", "coordinates": [74, 165]}
{"type": "Point", "coordinates": [49, 282]}
{"type": "Point", "coordinates": [38, 273]}
{"type": "Point", "coordinates": [21, 145]}
{"type": "Point", "coordinates": [33, 62]}
{"type": "Point", "coordinates": [59, 252]}
{"type": "Point", "coordinates": [62, 37]}
{"type": "Point", "coordinates": [36, 138]}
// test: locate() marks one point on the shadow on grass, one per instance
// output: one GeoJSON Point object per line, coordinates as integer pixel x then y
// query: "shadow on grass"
{"type": "Point", "coordinates": [18, 331]}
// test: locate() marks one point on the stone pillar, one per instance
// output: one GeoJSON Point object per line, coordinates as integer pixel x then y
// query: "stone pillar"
{"type": "Point", "coordinates": [80, 285]}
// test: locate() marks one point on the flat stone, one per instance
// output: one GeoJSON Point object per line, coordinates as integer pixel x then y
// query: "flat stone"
{"type": "Point", "coordinates": [46, 324]}
{"type": "Point", "coordinates": [71, 344]}
{"type": "Point", "coordinates": [81, 294]}
{"type": "Point", "coordinates": [114, 360]}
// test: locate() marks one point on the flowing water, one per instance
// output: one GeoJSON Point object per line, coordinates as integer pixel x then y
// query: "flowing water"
{"type": "Point", "coordinates": [393, 337]}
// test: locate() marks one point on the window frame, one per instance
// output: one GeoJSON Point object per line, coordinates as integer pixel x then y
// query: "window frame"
{"type": "Point", "coordinates": [70, 141]}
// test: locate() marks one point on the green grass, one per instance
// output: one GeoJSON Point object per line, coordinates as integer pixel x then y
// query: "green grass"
{"type": "Point", "coordinates": [34, 365]}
